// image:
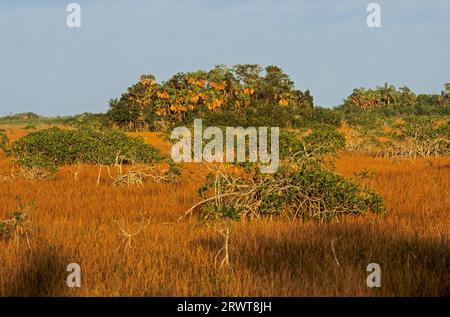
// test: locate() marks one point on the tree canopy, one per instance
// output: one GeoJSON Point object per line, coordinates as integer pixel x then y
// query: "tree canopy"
{"type": "Point", "coordinates": [242, 94]}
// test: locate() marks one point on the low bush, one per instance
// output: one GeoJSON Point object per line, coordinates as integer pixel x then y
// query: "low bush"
{"type": "Point", "coordinates": [409, 137]}
{"type": "Point", "coordinates": [54, 147]}
{"type": "Point", "coordinates": [4, 141]}
{"type": "Point", "coordinates": [97, 120]}
{"type": "Point", "coordinates": [301, 188]}
{"type": "Point", "coordinates": [307, 192]}
{"type": "Point", "coordinates": [313, 144]}
{"type": "Point", "coordinates": [18, 223]}
{"type": "Point", "coordinates": [326, 116]}
{"type": "Point", "coordinates": [21, 116]}
{"type": "Point", "coordinates": [419, 137]}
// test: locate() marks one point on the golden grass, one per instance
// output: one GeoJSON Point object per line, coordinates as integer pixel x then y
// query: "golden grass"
{"type": "Point", "coordinates": [75, 222]}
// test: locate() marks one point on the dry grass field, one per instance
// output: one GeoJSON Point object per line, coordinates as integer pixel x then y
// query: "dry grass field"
{"type": "Point", "coordinates": [78, 221]}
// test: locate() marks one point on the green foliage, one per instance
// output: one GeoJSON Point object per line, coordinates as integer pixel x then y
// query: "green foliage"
{"type": "Point", "coordinates": [355, 116]}
{"type": "Point", "coordinates": [302, 188]}
{"type": "Point", "coordinates": [389, 100]}
{"type": "Point", "coordinates": [406, 136]}
{"type": "Point", "coordinates": [421, 137]}
{"type": "Point", "coordinates": [242, 95]}
{"type": "Point", "coordinates": [313, 145]}
{"type": "Point", "coordinates": [89, 120]}
{"type": "Point", "coordinates": [327, 116]}
{"type": "Point", "coordinates": [174, 169]}
{"type": "Point", "coordinates": [308, 192]}
{"type": "Point", "coordinates": [21, 116]}
{"type": "Point", "coordinates": [55, 147]}
{"type": "Point", "coordinates": [31, 120]}
{"type": "Point", "coordinates": [422, 128]}
{"type": "Point", "coordinates": [29, 127]}
{"type": "Point", "coordinates": [18, 222]}
{"type": "Point", "coordinates": [262, 114]}
{"type": "Point", "coordinates": [4, 141]}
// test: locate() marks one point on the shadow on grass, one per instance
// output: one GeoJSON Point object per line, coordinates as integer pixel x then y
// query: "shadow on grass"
{"type": "Point", "coordinates": [41, 272]}
{"type": "Point", "coordinates": [339, 253]}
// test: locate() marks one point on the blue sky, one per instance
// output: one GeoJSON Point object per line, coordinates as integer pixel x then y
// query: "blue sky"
{"type": "Point", "coordinates": [324, 45]}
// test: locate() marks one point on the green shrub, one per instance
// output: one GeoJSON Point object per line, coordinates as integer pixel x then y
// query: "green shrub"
{"type": "Point", "coordinates": [55, 147]}
{"type": "Point", "coordinates": [327, 116]}
{"type": "Point", "coordinates": [423, 128]}
{"type": "Point", "coordinates": [90, 120]}
{"type": "Point", "coordinates": [308, 192]}
{"type": "Point", "coordinates": [315, 145]}
{"type": "Point", "coordinates": [18, 223]}
{"type": "Point", "coordinates": [4, 141]}
{"type": "Point", "coordinates": [301, 188]}
{"type": "Point", "coordinates": [21, 116]}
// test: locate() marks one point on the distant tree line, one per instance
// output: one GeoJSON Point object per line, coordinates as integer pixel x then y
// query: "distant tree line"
{"type": "Point", "coordinates": [391, 100]}
{"type": "Point", "coordinates": [245, 95]}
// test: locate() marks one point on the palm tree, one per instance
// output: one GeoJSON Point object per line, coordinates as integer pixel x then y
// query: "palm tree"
{"type": "Point", "coordinates": [389, 94]}
{"type": "Point", "coordinates": [407, 96]}
{"type": "Point", "coordinates": [446, 93]}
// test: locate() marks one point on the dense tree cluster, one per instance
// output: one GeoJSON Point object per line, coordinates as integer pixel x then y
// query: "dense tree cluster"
{"type": "Point", "coordinates": [239, 95]}
{"type": "Point", "coordinates": [388, 96]}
